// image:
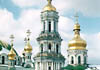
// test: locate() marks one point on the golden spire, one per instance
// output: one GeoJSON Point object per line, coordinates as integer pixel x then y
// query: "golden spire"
{"type": "Point", "coordinates": [76, 26]}
{"type": "Point", "coordinates": [28, 47]}
{"type": "Point", "coordinates": [77, 43]}
{"type": "Point", "coordinates": [49, 6]}
{"type": "Point", "coordinates": [11, 54]}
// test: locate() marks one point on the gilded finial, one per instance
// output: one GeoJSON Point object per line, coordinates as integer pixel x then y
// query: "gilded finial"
{"type": "Point", "coordinates": [49, 1]}
{"type": "Point", "coordinates": [76, 26]}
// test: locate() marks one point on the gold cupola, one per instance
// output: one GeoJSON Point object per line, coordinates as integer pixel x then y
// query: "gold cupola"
{"type": "Point", "coordinates": [28, 47]}
{"type": "Point", "coordinates": [77, 43]}
{"type": "Point", "coordinates": [49, 6]}
{"type": "Point", "coordinates": [11, 54]}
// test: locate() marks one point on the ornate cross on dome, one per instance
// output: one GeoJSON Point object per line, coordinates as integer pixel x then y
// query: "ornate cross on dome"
{"type": "Point", "coordinates": [28, 33]}
{"type": "Point", "coordinates": [12, 39]}
{"type": "Point", "coordinates": [76, 17]}
{"type": "Point", "coordinates": [49, 1]}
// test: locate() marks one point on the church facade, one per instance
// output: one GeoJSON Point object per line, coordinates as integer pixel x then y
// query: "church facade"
{"type": "Point", "coordinates": [49, 56]}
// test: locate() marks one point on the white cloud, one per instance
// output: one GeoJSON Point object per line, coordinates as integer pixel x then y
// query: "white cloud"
{"type": "Point", "coordinates": [27, 3]}
{"type": "Point", "coordinates": [86, 7]}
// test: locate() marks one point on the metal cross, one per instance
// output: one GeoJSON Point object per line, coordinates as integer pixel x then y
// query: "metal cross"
{"type": "Point", "coordinates": [12, 38]}
{"type": "Point", "coordinates": [25, 40]}
{"type": "Point", "coordinates": [28, 33]}
{"type": "Point", "coordinates": [76, 16]}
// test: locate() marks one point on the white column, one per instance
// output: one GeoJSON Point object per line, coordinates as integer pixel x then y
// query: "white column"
{"type": "Point", "coordinates": [52, 24]}
{"type": "Point", "coordinates": [57, 27]}
{"type": "Point", "coordinates": [42, 25]}
{"type": "Point", "coordinates": [75, 58]}
{"type": "Point", "coordinates": [52, 66]}
{"type": "Point", "coordinates": [47, 65]}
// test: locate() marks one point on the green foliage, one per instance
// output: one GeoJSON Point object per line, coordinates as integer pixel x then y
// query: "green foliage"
{"type": "Point", "coordinates": [0, 48]}
{"type": "Point", "coordinates": [70, 67]}
{"type": "Point", "coordinates": [79, 67]}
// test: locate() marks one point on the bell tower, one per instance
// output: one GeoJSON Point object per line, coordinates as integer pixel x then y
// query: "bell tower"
{"type": "Point", "coordinates": [49, 56]}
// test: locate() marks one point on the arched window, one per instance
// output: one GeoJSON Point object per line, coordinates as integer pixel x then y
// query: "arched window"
{"type": "Point", "coordinates": [49, 47]}
{"type": "Point", "coordinates": [57, 49]}
{"type": "Point", "coordinates": [79, 59]}
{"type": "Point", "coordinates": [72, 60]}
{"type": "Point", "coordinates": [41, 47]}
{"type": "Point", "coordinates": [49, 26]}
{"type": "Point", "coordinates": [3, 60]}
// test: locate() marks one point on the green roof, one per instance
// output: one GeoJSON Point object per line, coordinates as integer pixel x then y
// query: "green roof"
{"type": "Point", "coordinates": [6, 46]}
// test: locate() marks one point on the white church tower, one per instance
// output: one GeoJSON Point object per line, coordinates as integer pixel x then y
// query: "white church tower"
{"type": "Point", "coordinates": [49, 56]}
{"type": "Point", "coordinates": [77, 52]}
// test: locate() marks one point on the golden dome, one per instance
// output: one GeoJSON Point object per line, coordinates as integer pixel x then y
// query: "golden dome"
{"type": "Point", "coordinates": [11, 54]}
{"type": "Point", "coordinates": [49, 7]}
{"type": "Point", "coordinates": [77, 43]}
{"type": "Point", "coordinates": [28, 48]}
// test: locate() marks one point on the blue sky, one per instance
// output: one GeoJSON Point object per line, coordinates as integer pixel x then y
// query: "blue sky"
{"type": "Point", "coordinates": [20, 15]}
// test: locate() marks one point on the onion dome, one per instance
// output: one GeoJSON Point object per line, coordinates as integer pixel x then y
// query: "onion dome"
{"type": "Point", "coordinates": [28, 47]}
{"type": "Point", "coordinates": [49, 7]}
{"type": "Point", "coordinates": [77, 43]}
{"type": "Point", "coordinates": [11, 54]}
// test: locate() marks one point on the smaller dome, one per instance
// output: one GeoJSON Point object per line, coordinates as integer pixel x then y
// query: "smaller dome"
{"type": "Point", "coordinates": [77, 43]}
{"type": "Point", "coordinates": [76, 26]}
{"type": "Point", "coordinates": [28, 48]}
{"type": "Point", "coordinates": [11, 54]}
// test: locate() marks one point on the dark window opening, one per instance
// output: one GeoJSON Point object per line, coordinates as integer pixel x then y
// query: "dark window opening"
{"type": "Point", "coordinates": [79, 59]}
{"type": "Point", "coordinates": [44, 26]}
{"type": "Point", "coordinates": [41, 47]}
{"type": "Point", "coordinates": [49, 26]}
{"type": "Point", "coordinates": [49, 68]}
{"type": "Point", "coordinates": [49, 47]}
{"type": "Point", "coordinates": [57, 49]}
{"type": "Point", "coordinates": [72, 60]}
{"type": "Point", "coordinates": [3, 60]}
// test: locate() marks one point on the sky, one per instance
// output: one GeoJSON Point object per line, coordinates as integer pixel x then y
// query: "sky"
{"type": "Point", "coordinates": [16, 16]}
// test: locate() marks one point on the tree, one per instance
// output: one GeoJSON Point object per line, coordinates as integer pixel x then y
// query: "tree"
{"type": "Point", "coordinates": [69, 67]}
{"type": "Point", "coordinates": [79, 67]}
